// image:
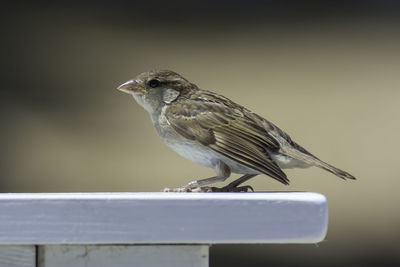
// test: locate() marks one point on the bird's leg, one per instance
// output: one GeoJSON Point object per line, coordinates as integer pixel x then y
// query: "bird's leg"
{"type": "Point", "coordinates": [233, 186]}
{"type": "Point", "coordinates": [223, 172]}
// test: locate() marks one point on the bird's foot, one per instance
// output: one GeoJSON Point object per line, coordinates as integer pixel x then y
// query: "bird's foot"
{"type": "Point", "coordinates": [227, 188]}
{"type": "Point", "coordinates": [193, 186]}
{"type": "Point", "coordinates": [183, 190]}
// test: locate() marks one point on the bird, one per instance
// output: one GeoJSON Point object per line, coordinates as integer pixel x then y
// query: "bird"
{"type": "Point", "coordinates": [212, 130]}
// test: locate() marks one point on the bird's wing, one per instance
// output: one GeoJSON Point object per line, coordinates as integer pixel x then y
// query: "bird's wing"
{"type": "Point", "coordinates": [228, 132]}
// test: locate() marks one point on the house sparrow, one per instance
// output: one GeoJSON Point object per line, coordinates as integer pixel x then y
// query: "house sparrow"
{"type": "Point", "coordinates": [213, 131]}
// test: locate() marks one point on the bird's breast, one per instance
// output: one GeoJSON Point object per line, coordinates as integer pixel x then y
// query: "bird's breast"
{"type": "Point", "coordinates": [189, 149]}
{"type": "Point", "coordinates": [194, 150]}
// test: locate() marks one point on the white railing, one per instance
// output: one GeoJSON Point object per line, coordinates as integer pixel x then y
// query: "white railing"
{"type": "Point", "coordinates": [150, 229]}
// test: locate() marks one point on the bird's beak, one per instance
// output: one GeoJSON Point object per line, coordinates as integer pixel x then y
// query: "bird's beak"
{"type": "Point", "coordinates": [131, 87]}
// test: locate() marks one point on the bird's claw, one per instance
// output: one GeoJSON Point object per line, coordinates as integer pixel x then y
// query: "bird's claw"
{"type": "Point", "coordinates": [183, 190]}
{"type": "Point", "coordinates": [208, 189]}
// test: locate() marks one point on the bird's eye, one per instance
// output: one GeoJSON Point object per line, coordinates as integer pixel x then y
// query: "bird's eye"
{"type": "Point", "coordinates": [154, 83]}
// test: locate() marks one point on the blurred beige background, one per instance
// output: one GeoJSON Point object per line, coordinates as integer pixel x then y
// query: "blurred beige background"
{"type": "Point", "coordinates": [332, 81]}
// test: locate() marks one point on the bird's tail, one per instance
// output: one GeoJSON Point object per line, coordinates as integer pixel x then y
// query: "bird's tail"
{"type": "Point", "coordinates": [314, 161]}
{"type": "Point", "coordinates": [338, 172]}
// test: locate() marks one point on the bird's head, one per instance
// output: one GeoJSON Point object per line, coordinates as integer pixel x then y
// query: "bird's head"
{"type": "Point", "coordinates": [154, 89]}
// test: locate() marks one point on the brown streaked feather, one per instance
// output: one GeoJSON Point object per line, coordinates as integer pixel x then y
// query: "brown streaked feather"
{"type": "Point", "coordinates": [191, 129]}
{"type": "Point", "coordinates": [249, 157]}
{"type": "Point", "coordinates": [227, 131]}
